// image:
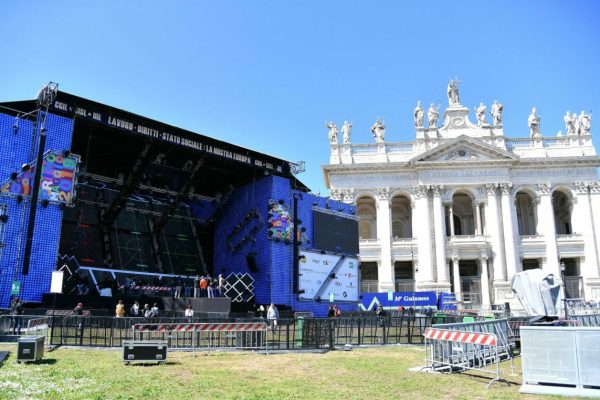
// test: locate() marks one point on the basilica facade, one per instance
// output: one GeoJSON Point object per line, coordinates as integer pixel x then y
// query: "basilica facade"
{"type": "Point", "coordinates": [463, 208]}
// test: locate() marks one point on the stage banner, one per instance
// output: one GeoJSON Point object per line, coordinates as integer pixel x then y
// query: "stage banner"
{"type": "Point", "coordinates": [280, 222]}
{"type": "Point", "coordinates": [327, 275]}
{"type": "Point", "coordinates": [57, 182]}
{"type": "Point", "coordinates": [370, 301]}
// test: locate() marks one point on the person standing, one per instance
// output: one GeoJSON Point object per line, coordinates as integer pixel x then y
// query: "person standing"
{"type": "Point", "coordinates": [272, 317]}
{"type": "Point", "coordinates": [134, 311]}
{"type": "Point", "coordinates": [197, 286]}
{"type": "Point", "coordinates": [16, 310]}
{"type": "Point", "coordinates": [221, 286]}
{"type": "Point", "coordinates": [189, 313]}
{"type": "Point", "coordinates": [203, 287]}
{"type": "Point", "coordinates": [120, 309]}
{"type": "Point", "coordinates": [147, 311]}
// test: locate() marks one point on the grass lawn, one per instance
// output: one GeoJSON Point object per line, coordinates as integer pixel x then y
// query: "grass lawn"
{"type": "Point", "coordinates": [363, 373]}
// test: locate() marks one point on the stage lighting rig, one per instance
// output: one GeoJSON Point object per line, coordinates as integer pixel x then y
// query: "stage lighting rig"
{"type": "Point", "coordinates": [47, 94]}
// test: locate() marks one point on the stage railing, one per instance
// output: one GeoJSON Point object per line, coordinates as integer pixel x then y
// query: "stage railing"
{"type": "Point", "coordinates": [288, 334]}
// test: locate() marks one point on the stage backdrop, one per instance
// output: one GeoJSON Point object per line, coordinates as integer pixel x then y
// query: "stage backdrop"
{"type": "Point", "coordinates": [315, 269]}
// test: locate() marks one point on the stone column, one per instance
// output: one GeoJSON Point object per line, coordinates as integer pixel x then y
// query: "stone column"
{"type": "Point", "coordinates": [456, 278]}
{"type": "Point", "coordinates": [493, 224]}
{"type": "Point", "coordinates": [451, 219]}
{"type": "Point", "coordinates": [478, 219]}
{"type": "Point", "coordinates": [422, 232]}
{"type": "Point", "coordinates": [508, 225]}
{"type": "Point", "coordinates": [485, 282]}
{"type": "Point", "coordinates": [547, 228]}
{"type": "Point", "coordinates": [384, 235]}
{"type": "Point", "coordinates": [440, 235]}
{"type": "Point", "coordinates": [582, 220]}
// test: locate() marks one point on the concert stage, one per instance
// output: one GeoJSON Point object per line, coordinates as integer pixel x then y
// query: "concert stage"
{"type": "Point", "coordinates": [123, 198]}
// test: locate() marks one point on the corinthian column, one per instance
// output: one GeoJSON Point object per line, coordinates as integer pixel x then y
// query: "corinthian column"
{"type": "Point", "coordinates": [582, 219]}
{"type": "Point", "coordinates": [546, 227]}
{"type": "Point", "coordinates": [456, 278]}
{"type": "Point", "coordinates": [422, 231]}
{"type": "Point", "coordinates": [493, 229]}
{"type": "Point", "coordinates": [508, 225]}
{"type": "Point", "coordinates": [384, 234]}
{"type": "Point", "coordinates": [439, 226]}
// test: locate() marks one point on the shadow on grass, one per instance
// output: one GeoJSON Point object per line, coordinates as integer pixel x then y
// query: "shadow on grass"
{"type": "Point", "coordinates": [485, 379]}
{"type": "Point", "coordinates": [46, 361]}
{"type": "Point", "coordinates": [151, 364]}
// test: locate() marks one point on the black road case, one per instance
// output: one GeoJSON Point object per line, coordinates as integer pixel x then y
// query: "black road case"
{"type": "Point", "coordinates": [145, 351]}
{"type": "Point", "coordinates": [30, 348]}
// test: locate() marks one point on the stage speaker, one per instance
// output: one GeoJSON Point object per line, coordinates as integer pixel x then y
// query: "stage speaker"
{"type": "Point", "coordinates": [155, 350]}
{"type": "Point", "coordinates": [30, 348]}
{"type": "Point", "coordinates": [251, 261]}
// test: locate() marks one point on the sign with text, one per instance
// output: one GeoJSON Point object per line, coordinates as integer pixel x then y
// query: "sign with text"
{"type": "Point", "coordinates": [370, 301]}
{"type": "Point", "coordinates": [316, 269]}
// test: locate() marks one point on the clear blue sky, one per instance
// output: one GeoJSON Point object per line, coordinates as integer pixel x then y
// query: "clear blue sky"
{"type": "Point", "coordinates": [267, 74]}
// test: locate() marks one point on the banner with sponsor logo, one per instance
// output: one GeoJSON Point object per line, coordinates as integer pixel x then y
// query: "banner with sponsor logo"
{"type": "Point", "coordinates": [326, 275]}
{"type": "Point", "coordinates": [370, 301]}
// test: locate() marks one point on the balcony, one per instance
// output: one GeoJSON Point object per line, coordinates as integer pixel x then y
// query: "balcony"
{"type": "Point", "coordinates": [370, 249]}
{"type": "Point", "coordinates": [570, 245]}
{"type": "Point", "coordinates": [369, 286]}
{"type": "Point", "coordinates": [532, 246]}
{"type": "Point", "coordinates": [404, 249]}
{"type": "Point", "coordinates": [468, 246]}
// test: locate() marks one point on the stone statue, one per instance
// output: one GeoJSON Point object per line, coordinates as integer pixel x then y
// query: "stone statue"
{"type": "Point", "coordinates": [569, 123]}
{"type": "Point", "coordinates": [480, 113]}
{"type": "Point", "coordinates": [576, 120]}
{"type": "Point", "coordinates": [346, 128]}
{"type": "Point", "coordinates": [585, 123]}
{"type": "Point", "coordinates": [453, 92]}
{"type": "Point", "coordinates": [496, 114]}
{"type": "Point", "coordinates": [419, 115]}
{"type": "Point", "coordinates": [378, 131]}
{"type": "Point", "coordinates": [432, 116]}
{"type": "Point", "coordinates": [333, 132]}
{"type": "Point", "coordinates": [534, 123]}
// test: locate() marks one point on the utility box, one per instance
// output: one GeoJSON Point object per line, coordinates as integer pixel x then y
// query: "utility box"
{"type": "Point", "coordinates": [30, 348]}
{"type": "Point", "coordinates": [145, 351]}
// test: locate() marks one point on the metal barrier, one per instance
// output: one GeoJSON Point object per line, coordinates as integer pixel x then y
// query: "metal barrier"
{"type": "Point", "coordinates": [236, 335]}
{"type": "Point", "coordinates": [289, 334]}
{"type": "Point", "coordinates": [588, 320]}
{"type": "Point", "coordinates": [15, 325]}
{"type": "Point", "coordinates": [455, 350]}
{"type": "Point", "coordinates": [39, 327]}
{"type": "Point", "coordinates": [499, 327]}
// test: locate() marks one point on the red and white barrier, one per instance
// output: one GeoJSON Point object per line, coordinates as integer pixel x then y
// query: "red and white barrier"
{"type": "Point", "coordinates": [203, 327]}
{"type": "Point", "coordinates": [486, 339]}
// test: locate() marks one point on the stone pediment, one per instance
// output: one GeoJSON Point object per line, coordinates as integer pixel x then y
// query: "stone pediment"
{"type": "Point", "coordinates": [463, 149]}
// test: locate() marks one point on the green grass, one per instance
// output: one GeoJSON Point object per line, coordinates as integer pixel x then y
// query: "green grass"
{"type": "Point", "coordinates": [365, 373]}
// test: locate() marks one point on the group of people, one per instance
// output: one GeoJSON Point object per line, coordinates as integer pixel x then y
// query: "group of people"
{"type": "Point", "coordinates": [135, 311]}
{"type": "Point", "coordinates": [333, 311]}
{"type": "Point", "coordinates": [205, 286]}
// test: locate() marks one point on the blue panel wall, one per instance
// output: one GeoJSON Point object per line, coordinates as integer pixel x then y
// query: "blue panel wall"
{"type": "Point", "coordinates": [19, 148]}
{"type": "Point", "coordinates": [246, 198]}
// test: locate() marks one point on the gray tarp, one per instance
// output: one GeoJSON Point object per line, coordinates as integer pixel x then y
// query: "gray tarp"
{"type": "Point", "coordinates": [538, 292]}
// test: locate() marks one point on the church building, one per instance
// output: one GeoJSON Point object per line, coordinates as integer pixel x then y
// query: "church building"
{"type": "Point", "coordinates": [463, 208]}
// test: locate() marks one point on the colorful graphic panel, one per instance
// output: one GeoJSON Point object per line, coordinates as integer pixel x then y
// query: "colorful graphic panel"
{"type": "Point", "coordinates": [281, 226]}
{"type": "Point", "coordinates": [57, 182]}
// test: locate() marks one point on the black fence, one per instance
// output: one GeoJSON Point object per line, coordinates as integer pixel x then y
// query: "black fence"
{"type": "Point", "coordinates": [288, 334]}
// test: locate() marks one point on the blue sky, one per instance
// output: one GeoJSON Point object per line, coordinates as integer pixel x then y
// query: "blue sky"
{"type": "Point", "coordinates": [268, 74]}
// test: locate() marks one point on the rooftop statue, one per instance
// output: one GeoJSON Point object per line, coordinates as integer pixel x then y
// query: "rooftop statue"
{"type": "Point", "coordinates": [496, 114]}
{"type": "Point", "coordinates": [419, 115]}
{"type": "Point", "coordinates": [433, 114]}
{"type": "Point", "coordinates": [569, 123]}
{"type": "Point", "coordinates": [534, 123]}
{"type": "Point", "coordinates": [378, 131]}
{"type": "Point", "coordinates": [585, 123]}
{"type": "Point", "coordinates": [453, 92]}
{"type": "Point", "coordinates": [480, 112]}
{"type": "Point", "coordinates": [346, 128]}
{"type": "Point", "coordinates": [333, 132]}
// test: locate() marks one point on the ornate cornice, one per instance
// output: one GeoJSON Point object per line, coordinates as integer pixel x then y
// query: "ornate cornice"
{"type": "Point", "coordinates": [420, 191]}
{"type": "Point", "coordinates": [491, 189]}
{"type": "Point", "coordinates": [544, 188]}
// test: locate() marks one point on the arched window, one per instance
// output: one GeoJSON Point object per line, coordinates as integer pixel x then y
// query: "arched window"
{"type": "Point", "coordinates": [367, 217]}
{"type": "Point", "coordinates": [401, 217]}
{"type": "Point", "coordinates": [463, 215]}
{"type": "Point", "coordinates": [526, 217]}
{"type": "Point", "coordinates": [561, 205]}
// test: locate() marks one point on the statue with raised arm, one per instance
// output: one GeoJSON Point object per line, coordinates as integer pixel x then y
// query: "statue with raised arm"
{"type": "Point", "coordinates": [585, 123]}
{"type": "Point", "coordinates": [453, 92]}
{"type": "Point", "coordinates": [496, 114]}
{"type": "Point", "coordinates": [378, 131]}
{"type": "Point", "coordinates": [432, 116]}
{"type": "Point", "coordinates": [480, 113]}
{"type": "Point", "coordinates": [333, 132]}
{"type": "Point", "coordinates": [419, 115]}
{"type": "Point", "coordinates": [346, 128]}
{"type": "Point", "coordinates": [534, 123]}
{"type": "Point", "coordinates": [569, 123]}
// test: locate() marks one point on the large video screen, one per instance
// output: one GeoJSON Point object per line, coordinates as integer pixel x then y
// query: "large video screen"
{"type": "Point", "coordinates": [335, 232]}
{"type": "Point", "coordinates": [315, 268]}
